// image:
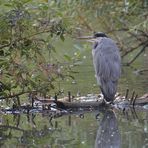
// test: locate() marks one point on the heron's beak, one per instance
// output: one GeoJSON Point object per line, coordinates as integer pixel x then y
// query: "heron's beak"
{"type": "Point", "coordinates": [87, 38]}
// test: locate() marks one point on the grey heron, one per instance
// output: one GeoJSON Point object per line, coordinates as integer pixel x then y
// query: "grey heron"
{"type": "Point", "coordinates": [107, 64]}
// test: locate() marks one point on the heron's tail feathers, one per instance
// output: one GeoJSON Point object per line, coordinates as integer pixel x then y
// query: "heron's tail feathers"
{"type": "Point", "coordinates": [109, 89]}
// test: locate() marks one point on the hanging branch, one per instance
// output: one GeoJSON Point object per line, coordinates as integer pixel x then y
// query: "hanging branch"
{"type": "Point", "coordinates": [141, 37]}
{"type": "Point", "coordinates": [138, 54]}
{"type": "Point", "coordinates": [133, 48]}
{"type": "Point", "coordinates": [6, 45]}
{"type": "Point", "coordinates": [15, 95]}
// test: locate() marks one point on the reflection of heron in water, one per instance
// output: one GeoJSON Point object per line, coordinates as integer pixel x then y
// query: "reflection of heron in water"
{"type": "Point", "coordinates": [108, 135]}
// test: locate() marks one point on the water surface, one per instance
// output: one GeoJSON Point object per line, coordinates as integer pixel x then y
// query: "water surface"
{"type": "Point", "coordinates": [88, 130]}
{"type": "Point", "coordinates": [93, 129]}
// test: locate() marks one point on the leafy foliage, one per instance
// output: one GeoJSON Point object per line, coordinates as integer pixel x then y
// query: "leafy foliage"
{"type": "Point", "coordinates": [28, 29]}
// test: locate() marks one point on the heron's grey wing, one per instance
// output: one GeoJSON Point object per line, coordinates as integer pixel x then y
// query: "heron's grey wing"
{"type": "Point", "coordinates": [107, 65]}
{"type": "Point", "coordinates": [107, 61]}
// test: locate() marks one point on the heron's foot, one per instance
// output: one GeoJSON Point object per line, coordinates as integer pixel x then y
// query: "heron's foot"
{"type": "Point", "coordinates": [103, 102]}
{"type": "Point", "coordinates": [107, 102]}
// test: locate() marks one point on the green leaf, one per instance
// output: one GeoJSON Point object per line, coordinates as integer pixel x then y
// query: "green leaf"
{"type": "Point", "coordinates": [67, 57]}
{"type": "Point", "coordinates": [8, 5]}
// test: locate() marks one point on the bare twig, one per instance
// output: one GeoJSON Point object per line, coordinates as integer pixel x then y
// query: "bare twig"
{"type": "Point", "coordinates": [18, 101]}
{"type": "Point", "coordinates": [142, 70]}
{"type": "Point", "coordinates": [131, 100]}
{"type": "Point", "coordinates": [143, 33]}
{"type": "Point", "coordinates": [134, 100]}
{"type": "Point", "coordinates": [133, 48]}
{"type": "Point", "coordinates": [126, 95]}
{"type": "Point", "coordinates": [6, 45]}
{"type": "Point", "coordinates": [15, 95]}
{"type": "Point", "coordinates": [69, 96]}
{"type": "Point", "coordinates": [137, 55]}
{"type": "Point", "coordinates": [56, 97]}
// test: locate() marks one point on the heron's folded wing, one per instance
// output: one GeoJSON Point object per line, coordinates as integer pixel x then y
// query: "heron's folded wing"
{"type": "Point", "coordinates": [107, 62]}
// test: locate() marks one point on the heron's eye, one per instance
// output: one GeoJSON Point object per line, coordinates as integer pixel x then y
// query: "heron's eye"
{"type": "Point", "coordinates": [95, 45]}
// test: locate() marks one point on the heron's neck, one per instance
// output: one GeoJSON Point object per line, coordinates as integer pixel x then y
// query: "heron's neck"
{"type": "Point", "coordinates": [95, 45]}
{"type": "Point", "coordinates": [97, 42]}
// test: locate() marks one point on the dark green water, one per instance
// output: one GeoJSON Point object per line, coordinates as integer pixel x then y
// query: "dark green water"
{"type": "Point", "coordinates": [85, 81]}
{"type": "Point", "coordinates": [125, 131]}
{"type": "Point", "coordinates": [110, 129]}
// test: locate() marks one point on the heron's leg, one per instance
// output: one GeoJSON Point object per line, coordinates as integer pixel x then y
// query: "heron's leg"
{"type": "Point", "coordinates": [106, 100]}
{"type": "Point", "coordinates": [103, 93]}
{"type": "Point", "coordinates": [103, 102]}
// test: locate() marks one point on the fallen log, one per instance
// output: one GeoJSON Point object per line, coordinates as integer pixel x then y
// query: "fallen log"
{"type": "Point", "coordinates": [83, 103]}
{"type": "Point", "coordinates": [87, 102]}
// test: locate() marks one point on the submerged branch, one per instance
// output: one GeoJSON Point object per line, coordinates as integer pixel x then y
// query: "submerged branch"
{"type": "Point", "coordinates": [11, 127]}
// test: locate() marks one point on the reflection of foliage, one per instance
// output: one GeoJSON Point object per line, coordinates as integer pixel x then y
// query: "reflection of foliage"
{"type": "Point", "coordinates": [40, 133]}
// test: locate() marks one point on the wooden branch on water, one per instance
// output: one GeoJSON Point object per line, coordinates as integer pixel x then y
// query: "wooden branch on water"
{"type": "Point", "coordinates": [126, 95]}
{"type": "Point", "coordinates": [134, 101]}
{"type": "Point", "coordinates": [75, 105]}
{"type": "Point", "coordinates": [67, 103]}
{"type": "Point", "coordinates": [80, 103]}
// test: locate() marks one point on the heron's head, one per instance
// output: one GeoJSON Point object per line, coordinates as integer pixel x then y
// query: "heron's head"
{"type": "Point", "coordinates": [93, 38]}
{"type": "Point", "coordinates": [99, 34]}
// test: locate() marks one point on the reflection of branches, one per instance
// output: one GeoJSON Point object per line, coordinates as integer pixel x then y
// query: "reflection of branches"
{"type": "Point", "coordinates": [30, 118]}
{"type": "Point", "coordinates": [134, 114]}
{"type": "Point", "coordinates": [16, 118]}
{"type": "Point", "coordinates": [25, 136]}
{"type": "Point", "coordinates": [11, 127]}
